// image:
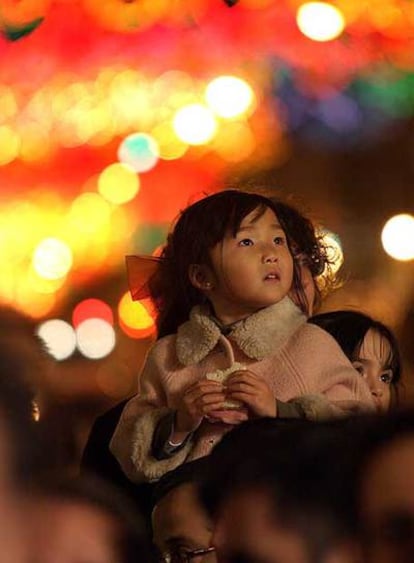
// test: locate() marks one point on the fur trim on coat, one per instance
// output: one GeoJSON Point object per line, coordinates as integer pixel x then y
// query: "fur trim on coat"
{"type": "Point", "coordinates": [141, 456]}
{"type": "Point", "coordinates": [258, 336]}
{"type": "Point", "coordinates": [319, 408]}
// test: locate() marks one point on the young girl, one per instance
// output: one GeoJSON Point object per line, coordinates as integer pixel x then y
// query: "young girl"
{"type": "Point", "coordinates": [372, 349]}
{"type": "Point", "coordinates": [232, 342]}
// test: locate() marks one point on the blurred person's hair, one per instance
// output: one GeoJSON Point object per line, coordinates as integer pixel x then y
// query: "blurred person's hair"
{"type": "Point", "coordinates": [300, 465]}
{"type": "Point", "coordinates": [18, 328]}
{"type": "Point", "coordinates": [24, 364]}
{"type": "Point", "coordinates": [190, 472]}
{"type": "Point", "coordinates": [377, 434]}
{"type": "Point", "coordinates": [17, 412]}
{"type": "Point", "coordinates": [131, 539]}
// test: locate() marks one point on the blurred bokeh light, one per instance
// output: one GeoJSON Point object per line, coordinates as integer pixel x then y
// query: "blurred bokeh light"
{"type": "Point", "coordinates": [135, 318]}
{"type": "Point", "coordinates": [140, 151]}
{"type": "Point", "coordinates": [118, 183]}
{"type": "Point", "coordinates": [320, 21]}
{"type": "Point", "coordinates": [92, 309]}
{"type": "Point", "coordinates": [398, 237]}
{"type": "Point", "coordinates": [52, 258]}
{"type": "Point", "coordinates": [95, 338]}
{"type": "Point", "coordinates": [334, 250]}
{"type": "Point", "coordinates": [229, 96]}
{"type": "Point", "coordinates": [195, 124]}
{"type": "Point", "coordinates": [59, 337]}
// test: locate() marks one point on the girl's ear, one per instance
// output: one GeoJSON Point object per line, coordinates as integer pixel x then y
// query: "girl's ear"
{"type": "Point", "coordinates": [200, 277]}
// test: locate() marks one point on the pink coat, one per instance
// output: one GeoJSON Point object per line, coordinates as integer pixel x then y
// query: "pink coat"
{"type": "Point", "coordinates": [295, 358]}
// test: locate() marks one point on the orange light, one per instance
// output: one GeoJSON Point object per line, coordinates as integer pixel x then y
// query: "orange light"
{"type": "Point", "coordinates": [23, 11]}
{"type": "Point", "coordinates": [122, 16]}
{"type": "Point", "coordinates": [135, 317]}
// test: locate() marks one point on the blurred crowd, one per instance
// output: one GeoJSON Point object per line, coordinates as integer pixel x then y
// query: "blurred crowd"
{"type": "Point", "coordinates": [49, 513]}
{"type": "Point", "coordinates": [272, 491]}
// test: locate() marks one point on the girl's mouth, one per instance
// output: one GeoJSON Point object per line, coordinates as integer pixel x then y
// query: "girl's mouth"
{"type": "Point", "coordinates": [272, 276]}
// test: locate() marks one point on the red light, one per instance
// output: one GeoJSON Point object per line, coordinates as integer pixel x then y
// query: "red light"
{"type": "Point", "coordinates": [92, 309]}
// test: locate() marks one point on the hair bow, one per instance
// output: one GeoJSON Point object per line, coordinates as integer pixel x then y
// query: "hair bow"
{"type": "Point", "coordinates": [139, 270]}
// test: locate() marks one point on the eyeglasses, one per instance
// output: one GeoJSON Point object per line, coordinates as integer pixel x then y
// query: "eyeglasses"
{"type": "Point", "coordinates": [184, 555]}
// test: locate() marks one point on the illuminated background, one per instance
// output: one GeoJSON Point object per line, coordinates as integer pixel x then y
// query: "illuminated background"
{"type": "Point", "coordinates": [115, 114]}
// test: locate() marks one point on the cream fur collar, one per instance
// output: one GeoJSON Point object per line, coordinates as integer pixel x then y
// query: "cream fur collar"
{"type": "Point", "coordinates": [258, 336]}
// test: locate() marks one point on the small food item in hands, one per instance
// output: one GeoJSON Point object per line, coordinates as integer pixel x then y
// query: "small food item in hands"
{"type": "Point", "coordinates": [221, 375]}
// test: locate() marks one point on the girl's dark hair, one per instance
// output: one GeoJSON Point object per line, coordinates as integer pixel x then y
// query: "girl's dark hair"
{"type": "Point", "coordinates": [310, 250]}
{"type": "Point", "coordinates": [198, 229]}
{"type": "Point", "coordinates": [349, 329]}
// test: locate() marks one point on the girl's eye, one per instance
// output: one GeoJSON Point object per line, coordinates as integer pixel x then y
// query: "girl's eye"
{"type": "Point", "coordinates": [386, 377]}
{"type": "Point", "coordinates": [245, 242]}
{"type": "Point", "coordinates": [279, 240]}
{"type": "Point", "coordinates": [359, 367]}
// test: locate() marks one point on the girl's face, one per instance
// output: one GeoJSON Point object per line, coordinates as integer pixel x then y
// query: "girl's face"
{"type": "Point", "coordinates": [251, 270]}
{"type": "Point", "coordinates": [372, 363]}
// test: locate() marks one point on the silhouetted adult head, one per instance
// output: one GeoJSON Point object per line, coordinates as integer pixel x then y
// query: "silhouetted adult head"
{"type": "Point", "coordinates": [182, 528]}
{"type": "Point", "coordinates": [273, 491]}
{"type": "Point", "coordinates": [384, 489]}
{"type": "Point", "coordinates": [85, 519]}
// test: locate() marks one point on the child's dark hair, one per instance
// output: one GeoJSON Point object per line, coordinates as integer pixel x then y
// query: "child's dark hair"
{"type": "Point", "coordinates": [310, 250]}
{"type": "Point", "coordinates": [199, 228]}
{"type": "Point", "coordinates": [349, 329]}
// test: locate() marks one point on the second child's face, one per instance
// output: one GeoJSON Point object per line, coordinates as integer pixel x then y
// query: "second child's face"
{"type": "Point", "coordinates": [372, 364]}
{"type": "Point", "coordinates": [251, 270]}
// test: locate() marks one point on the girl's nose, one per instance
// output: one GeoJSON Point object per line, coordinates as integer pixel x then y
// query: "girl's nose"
{"type": "Point", "coordinates": [269, 254]}
{"type": "Point", "coordinates": [376, 392]}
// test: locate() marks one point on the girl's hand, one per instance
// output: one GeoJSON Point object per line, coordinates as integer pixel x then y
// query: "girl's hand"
{"type": "Point", "coordinates": [253, 391]}
{"type": "Point", "coordinates": [198, 401]}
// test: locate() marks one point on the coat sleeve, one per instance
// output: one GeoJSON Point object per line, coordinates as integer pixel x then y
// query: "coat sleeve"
{"type": "Point", "coordinates": [132, 440]}
{"type": "Point", "coordinates": [323, 370]}
{"type": "Point", "coordinates": [319, 407]}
